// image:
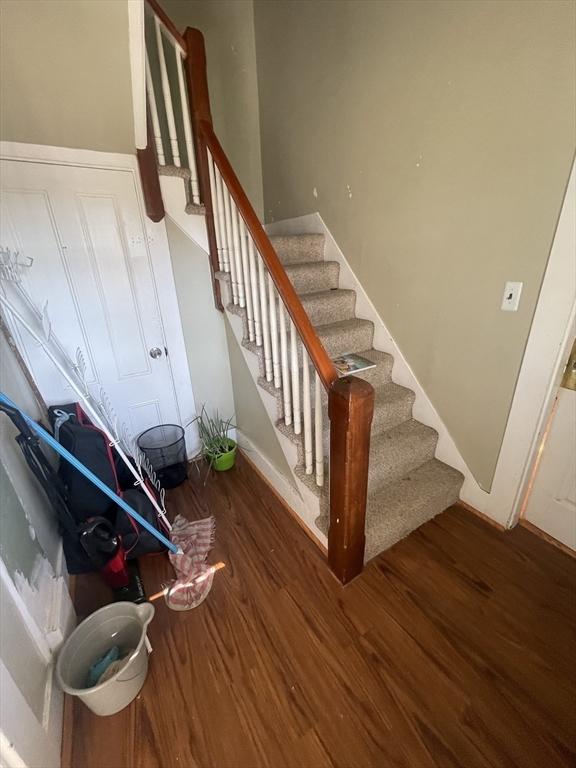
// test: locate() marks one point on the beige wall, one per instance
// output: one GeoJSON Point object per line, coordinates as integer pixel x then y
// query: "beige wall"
{"type": "Point", "coordinates": [438, 137]}
{"type": "Point", "coordinates": [65, 74]}
{"type": "Point", "coordinates": [202, 324]}
{"type": "Point", "coordinates": [251, 417]}
{"type": "Point", "coordinates": [228, 29]}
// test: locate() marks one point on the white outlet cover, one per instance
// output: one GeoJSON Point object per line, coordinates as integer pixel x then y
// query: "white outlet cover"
{"type": "Point", "coordinates": [511, 298]}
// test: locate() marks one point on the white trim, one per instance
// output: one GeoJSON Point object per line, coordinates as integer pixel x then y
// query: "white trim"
{"type": "Point", "coordinates": [424, 411]}
{"type": "Point", "coordinates": [544, 360]}
{"type": "Point", "coordinates": [137, 48]}
{"type": "Point", "coordinates": [158, 251]}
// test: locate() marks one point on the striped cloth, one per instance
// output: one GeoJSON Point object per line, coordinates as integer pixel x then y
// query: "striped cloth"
{"type": "Point", "coordinates": [193, 576]}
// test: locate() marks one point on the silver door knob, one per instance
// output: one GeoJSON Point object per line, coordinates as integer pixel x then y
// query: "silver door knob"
{"type": "Point", "coordinates": [155, 352]}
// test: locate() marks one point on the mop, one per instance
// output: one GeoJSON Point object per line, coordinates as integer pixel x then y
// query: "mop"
{"type": "Point", "coordinates": [190, 541]}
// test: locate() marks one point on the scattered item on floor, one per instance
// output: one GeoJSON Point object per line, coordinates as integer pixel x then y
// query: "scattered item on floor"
{"type": "Point", "coordinates": [350, 363]}
{"type": "Point", "coordinates": [16, 303]}
{"type": "Point", "coordinates": [216, 447]}
{"type": "Point", "coordinates": [100, 666]}
{"type": "Point", "coordinates": [165, 448]}
{"type": "Point", "coordinates": [89, 445]}
{"type": "Point", "coordinates": [120, 624]}
{"type": "Point", "coordinates": [190, 541]}
{"type": "Point", "coordinates": [104, 548]}
{"type": "Point", "coordinates": [195, 539]}
{"type": "Point", "coordinates": [47, 438]}
{"type": "Point", "coordinates": [170, 589]}
{"type": "Point", "coordinates": [134, 591]}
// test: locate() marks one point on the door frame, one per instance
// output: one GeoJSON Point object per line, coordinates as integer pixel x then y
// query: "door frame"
{"type": "Point", "coordinates": [544, 360]}
{"type": "Point", "coordinates": [158, 252]}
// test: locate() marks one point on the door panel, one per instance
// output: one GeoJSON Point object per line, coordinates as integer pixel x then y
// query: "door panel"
{"type": "Point", "coordinates": [92, 264]}
{"type": "Point", "coordinates": [552, 503]}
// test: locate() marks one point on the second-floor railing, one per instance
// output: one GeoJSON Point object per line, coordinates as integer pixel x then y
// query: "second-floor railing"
{"type": "Point", "coordinates": [295, 361]}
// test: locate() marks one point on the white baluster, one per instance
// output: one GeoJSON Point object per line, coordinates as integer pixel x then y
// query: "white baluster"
{"type": "Point", "coordinates": [194, 186]}
{"type": "Point", "coordinates": [265, 327]}
{"type": "Point", "coordinates": [254, 292]}
{"type": "Point", "coordinates": [307, 413]}
{"type": "Point", "coordinates": [247, 278]}
{"type": "Point", "coordinates": [167, 95]}
{"type": "Point", "coordinates": [222, 219]}
{"type": "Point", "coordinates": [286, 393]}
{"type": "Point", "coordinates": [232, 262]}
{"type": "Point", "coordinates": [319, 445]}
{"type": "Point", "coordinates": [295, 378]}
{"type": "Point", "coordinates": [237, 253]}
{"type": "Point", "coordinates": [154, 114]}
{"type": "Point", "coordinates": [215, 216]}
{"type": "Point", "coordinates": [274, 333]}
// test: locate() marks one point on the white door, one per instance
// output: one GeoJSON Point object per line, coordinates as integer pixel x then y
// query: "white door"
{"type": "Point", "coordinates": [552, 503]}
{"type": "Point", "coordinates": [92, 263]}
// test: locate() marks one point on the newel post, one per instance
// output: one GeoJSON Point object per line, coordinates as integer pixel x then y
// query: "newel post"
{"type": "Point", "coordinates": [148, 167]}
{"type": "Point", "coordinates": [350, 408]}
{"type": "Point", "coordinates": [199, 100]}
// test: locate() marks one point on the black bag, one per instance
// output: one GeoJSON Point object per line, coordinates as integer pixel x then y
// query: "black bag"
{"type": "Point", "coordinates": [74, 430]}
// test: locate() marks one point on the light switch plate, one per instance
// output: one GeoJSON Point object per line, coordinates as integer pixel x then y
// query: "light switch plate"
{"type": "Point", "coordinates": [511, 297]}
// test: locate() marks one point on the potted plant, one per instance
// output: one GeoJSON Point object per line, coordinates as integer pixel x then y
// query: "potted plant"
{"type": "Point", "coordinates": [217, 448]}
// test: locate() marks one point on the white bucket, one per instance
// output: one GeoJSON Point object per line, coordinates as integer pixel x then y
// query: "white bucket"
{"type": "Point", "coordinates": [121, 624]}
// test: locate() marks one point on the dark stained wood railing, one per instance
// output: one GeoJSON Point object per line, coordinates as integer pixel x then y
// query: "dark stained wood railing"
{"type": "Point", "coordinates": [350, 400]}
{"type": "Point", "coordinates": [148, 167]}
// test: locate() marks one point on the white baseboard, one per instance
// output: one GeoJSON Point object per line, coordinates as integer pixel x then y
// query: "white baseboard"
{"type": "Point", "coordinates": [424, 410]}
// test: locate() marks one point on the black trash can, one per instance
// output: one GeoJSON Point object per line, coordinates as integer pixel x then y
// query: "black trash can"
{"type": "Point", "coordinates": [165, 448]}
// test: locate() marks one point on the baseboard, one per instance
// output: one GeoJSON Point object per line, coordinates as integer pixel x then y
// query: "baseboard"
{"type": "Point", "coordinates": [490, 521]}
{"type": "Point", "coordinates": [280, 487]}
{"type": "Point", "coordinates": [546, 537]}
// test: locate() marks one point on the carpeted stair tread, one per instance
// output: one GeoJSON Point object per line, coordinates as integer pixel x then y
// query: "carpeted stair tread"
{"type": "Point", "coordinates": [398, 451]}
{"type": "Point", "coordinates": [392, 405]}
{"type": "Point", "coordinates": [195, 209]}
{"type": "Point", "coordinates": [324, 307]}
{"type": "Point", "coordinates": [401, 507]}
{"type": "Point", "coordinates": [174, 170]}
{"type": "Point", "coordinates": [292, 249]}
{"type": "Point", "coordinates": [313, 276]}
{"type": "Point", "coordinates": [345, 336]}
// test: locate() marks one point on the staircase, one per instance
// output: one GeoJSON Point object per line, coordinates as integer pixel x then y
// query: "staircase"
{"type": "Point", "coordinates": [368, 466]}
{"type": "Point", "coordinates": [406, 485]}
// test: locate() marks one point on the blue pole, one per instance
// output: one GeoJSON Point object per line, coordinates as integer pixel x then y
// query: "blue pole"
{"type": "Point", "coordinates": [47, 437]}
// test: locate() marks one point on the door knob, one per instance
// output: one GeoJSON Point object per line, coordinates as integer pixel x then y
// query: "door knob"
{"type": "Point", "coordinates": [155, 352]}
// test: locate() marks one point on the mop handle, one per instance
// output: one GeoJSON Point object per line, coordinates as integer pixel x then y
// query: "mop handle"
{"type": "Point", "coordinates": [47, 437]}
{"type": "Point", "coordinates": [201, 577]}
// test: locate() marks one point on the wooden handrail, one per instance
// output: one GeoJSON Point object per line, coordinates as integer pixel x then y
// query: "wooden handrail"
{"type": "Point", "coordinates": [168, 23]}
{"type": "Point", "coordinates": [290, 298]}
{"type": "Point", "coordinates": [197, 82]}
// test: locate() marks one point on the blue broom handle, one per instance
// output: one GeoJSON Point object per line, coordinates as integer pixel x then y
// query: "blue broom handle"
{"type": "Point", "coordinates": [47, 437]}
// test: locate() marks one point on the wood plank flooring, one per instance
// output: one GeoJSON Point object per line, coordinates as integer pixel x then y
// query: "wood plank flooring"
{"type": "Point", "coordinates": [455, 648]}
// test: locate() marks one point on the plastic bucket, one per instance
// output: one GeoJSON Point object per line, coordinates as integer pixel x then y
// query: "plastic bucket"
{"type": "Point", "coordinates": [225, 461]}
{"type": "Point", "coordinates": [121, 624]}
{"type": "Point", "coordinates": [165, 448]}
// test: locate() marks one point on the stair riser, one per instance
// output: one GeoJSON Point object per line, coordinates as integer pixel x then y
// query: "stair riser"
{"type": "Point", "coordinates": [391, 414]}
{"type": "Point", "coordinates": [354, 338]}
{"type": "Point", "coordinates": [391, 462]}
{"type": "Point", "coordinates": [330, 308]}
{"type": "Point", "coordinates": [294, 250]}
{"type": "Point", "coordinates": [309, 279]}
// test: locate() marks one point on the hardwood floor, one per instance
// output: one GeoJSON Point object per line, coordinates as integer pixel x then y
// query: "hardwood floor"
{"type": "Point", "coordinates": [455, 648]}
